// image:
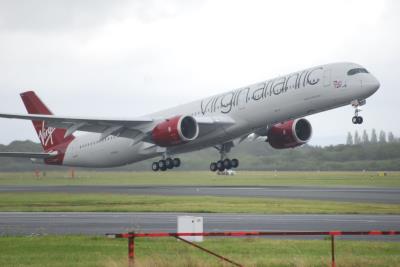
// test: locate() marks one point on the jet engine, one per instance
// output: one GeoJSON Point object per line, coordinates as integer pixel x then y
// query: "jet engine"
{"type": "Point", "coordinates": [289, 134]}
{"type": "Point", "coordinates": [175, 131]}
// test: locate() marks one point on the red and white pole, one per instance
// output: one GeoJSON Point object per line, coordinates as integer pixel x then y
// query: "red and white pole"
{"type": "Point", "coordinates": [131, 250]}
{"type": "Point", "coordinates": [333, 250]}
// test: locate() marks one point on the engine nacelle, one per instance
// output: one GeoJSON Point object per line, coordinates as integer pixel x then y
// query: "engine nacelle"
{"type": "Point", "coordinates": [175, 131]}
{"type": "Point", "coordinates": [289, 134]}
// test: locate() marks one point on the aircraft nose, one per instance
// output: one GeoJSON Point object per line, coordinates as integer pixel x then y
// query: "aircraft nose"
{"type": "Point", "coordinates": [371, 85]}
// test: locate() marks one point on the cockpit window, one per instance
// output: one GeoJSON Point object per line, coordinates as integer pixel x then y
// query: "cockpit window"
{"type": "Point", "coordinates": [355, 71]}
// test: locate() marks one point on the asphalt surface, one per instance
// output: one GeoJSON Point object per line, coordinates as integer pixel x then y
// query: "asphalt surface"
{"type": "Point", "coordinates": [352, 194]}
{"type": "Point", "coordinates": [100, 223]}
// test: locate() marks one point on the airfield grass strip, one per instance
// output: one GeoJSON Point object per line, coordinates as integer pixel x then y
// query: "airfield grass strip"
{"type": "Point", "coordinates": [254, 178]}
{"type": "Point", "coordinates": [57, 251]}
{"type": "Point", "coordinates": [65, 202]}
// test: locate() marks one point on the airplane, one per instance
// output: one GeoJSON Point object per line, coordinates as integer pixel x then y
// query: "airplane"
{"type": "Point", "coordinates": [273, 109]}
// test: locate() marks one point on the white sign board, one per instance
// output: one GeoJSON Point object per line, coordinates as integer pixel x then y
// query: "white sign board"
{"type": "Point", "coordinates": [190, 224]}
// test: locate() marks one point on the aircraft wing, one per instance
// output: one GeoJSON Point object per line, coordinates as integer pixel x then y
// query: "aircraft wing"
{"type": "Point", "coordinates": [124, 127]}
{"type": "Point", "coordinates": [137, 129]}
{"type": "Point", "coordinates": [213, 120]}
{"type": "Point", "coordinates": [208, 124]}
{"type": "Point", "coordinates": [31, 155]}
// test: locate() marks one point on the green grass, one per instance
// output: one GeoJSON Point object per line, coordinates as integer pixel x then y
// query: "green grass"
{"type": "Point", "coordinates": [360, 179]}
{"type": "Point", "coordinates": [139, 203]}
{"type": "Point", "coordinates": [153, 203]}
{"type": "Point", "coordinates": [57, 251]}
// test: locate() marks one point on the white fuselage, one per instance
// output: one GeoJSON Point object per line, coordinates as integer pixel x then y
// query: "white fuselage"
{"type": "Point", "coordinates": [252, 107]}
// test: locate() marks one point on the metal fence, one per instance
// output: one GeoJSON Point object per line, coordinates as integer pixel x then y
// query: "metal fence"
{"type": "Point", "coordinates": [131, 239]}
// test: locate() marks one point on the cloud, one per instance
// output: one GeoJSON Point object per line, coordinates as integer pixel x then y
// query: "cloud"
{"type": "Point", "coordinates": [54, 16]}
{"type": "Point", "coordinates": [49, 16]}
{"type": "Point", "coordinates": [127, 58]}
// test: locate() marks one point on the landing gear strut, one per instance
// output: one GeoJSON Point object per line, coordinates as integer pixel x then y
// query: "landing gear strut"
{"type": "Point", "coordinates": [166, 164]}
{"type": "Point", "coordinates": [356, 118]}
{"type": "Point", "coordinates": [224, 163]}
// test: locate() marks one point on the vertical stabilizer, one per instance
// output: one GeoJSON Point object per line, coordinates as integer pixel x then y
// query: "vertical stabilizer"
{"type": "Point", "coordinates": [49, 137]}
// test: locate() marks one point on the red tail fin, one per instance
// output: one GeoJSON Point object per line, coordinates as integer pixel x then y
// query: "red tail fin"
{"type": "Point", "coordinates": [50, 137]}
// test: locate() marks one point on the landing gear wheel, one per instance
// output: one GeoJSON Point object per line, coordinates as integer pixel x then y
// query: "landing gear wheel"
{"type": "Point", "coordinates": [169, 163]}
{"type": "Point", "coordinates": [235, 163]}
{"type": "Point", "coordinates": [163, 165]}
{"type": "Point", "coordinates": [177, 162]}
{"type": "Point", "coordinates": [357, 120]}
{"type": "Point", "coordinates": [224, 163]}
{"type": "Point", "coordinates": [220, 165]}
{"type": "Point", "coordinates": [213, 167]}
{"type": "Point", "coordinates": [227, 164]}
{"type": "Point", "coordinates": [155, 167]}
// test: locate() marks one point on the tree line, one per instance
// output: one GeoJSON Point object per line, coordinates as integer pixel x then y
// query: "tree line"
{"type": "Point", "coordinates": [357, 138]}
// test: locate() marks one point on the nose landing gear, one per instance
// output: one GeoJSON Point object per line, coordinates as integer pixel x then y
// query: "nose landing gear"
{"type": "Point", "coordinates": [356, 118]}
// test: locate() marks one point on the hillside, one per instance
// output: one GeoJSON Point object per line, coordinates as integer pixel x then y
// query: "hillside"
{"type": "Point", "coordinates": [257, 155]}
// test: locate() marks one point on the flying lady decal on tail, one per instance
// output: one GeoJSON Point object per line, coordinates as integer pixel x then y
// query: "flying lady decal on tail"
{"type": "Point", "coordinates": [46, 135]}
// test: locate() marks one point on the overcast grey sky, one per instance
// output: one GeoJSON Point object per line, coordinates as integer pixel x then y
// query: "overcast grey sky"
{"type": "Point", "coordinates": [128, 58]}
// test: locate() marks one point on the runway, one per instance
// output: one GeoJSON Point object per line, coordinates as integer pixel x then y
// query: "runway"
{"type": "Point", "coordinates": [348, 194]}
{"type": "Point", "coordinates": [100, 223]}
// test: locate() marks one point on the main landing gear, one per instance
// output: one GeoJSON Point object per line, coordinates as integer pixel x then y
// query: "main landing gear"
{"type": "Point", "coordinates": [224, 163]}
{"type": "Point", "coordinates": [356, 118]}
{"type": "Point", "coordinates": [166, 164]}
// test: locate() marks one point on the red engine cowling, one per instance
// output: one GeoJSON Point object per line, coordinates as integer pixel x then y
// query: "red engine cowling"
{"type": "Point", "coordinates": [289, 134]}
{"type": "Point", "coordinates": [175, 131]}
